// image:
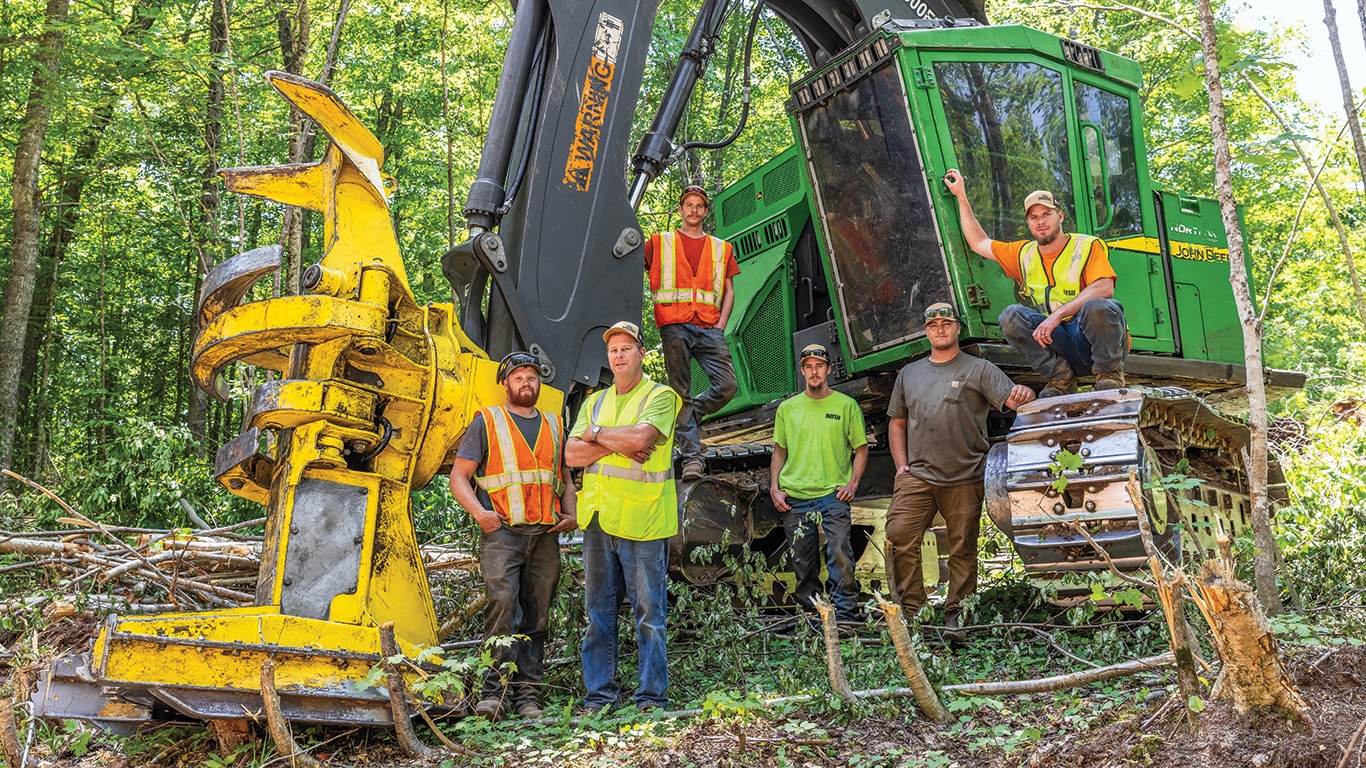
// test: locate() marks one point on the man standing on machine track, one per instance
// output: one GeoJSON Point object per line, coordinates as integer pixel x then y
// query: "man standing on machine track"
{"type": "Point", "coordinates": [691, 283]}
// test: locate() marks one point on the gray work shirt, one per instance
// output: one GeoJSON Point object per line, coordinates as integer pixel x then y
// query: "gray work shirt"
{"type": "Point", "coordinates": [945, 407]}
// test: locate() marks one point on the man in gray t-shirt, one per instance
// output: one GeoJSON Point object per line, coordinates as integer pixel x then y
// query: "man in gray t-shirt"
{"type": "Point", "coordinates": [938, 437]}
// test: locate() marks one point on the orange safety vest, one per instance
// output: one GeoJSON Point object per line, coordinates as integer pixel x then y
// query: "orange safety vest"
{"type": "Point", "coordinates": [678, 292]}
{"type": "Point", "coordinates": [523, 482]}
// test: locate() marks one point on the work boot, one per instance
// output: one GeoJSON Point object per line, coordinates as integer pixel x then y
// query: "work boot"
{"type": "Point", "coordinates": [1109, 379]}
{"type": "Point", "coordinates": [1063, 385]}
{"type": "Point", "coordinates": [489, 709]}
{"type": "Point", "coordinates": [693, 469]}
{"type": "Point", "coordinates": [953, 631]}
{"type": "Point", "coordinates": [528, 709]}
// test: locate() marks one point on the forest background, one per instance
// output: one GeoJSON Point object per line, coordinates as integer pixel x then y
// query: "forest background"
{"type": "Point", "coordinates": [147, 98]}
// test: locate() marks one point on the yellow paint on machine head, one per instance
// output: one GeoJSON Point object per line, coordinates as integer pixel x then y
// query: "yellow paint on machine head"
{"type": "Point", "coordinates": [597, 93]}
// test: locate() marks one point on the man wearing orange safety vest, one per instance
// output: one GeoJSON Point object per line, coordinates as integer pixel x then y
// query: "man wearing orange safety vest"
{"type": "Point", "coordinates": [514, 453]}
{"type": "Point", "coordinates": [1075, 327]}
{"type": "Point", "coordinates": [690, 282]}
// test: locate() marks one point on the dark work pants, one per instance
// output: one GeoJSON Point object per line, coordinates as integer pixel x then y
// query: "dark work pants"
{"type": "Point", "coordinates": [803, 524]}
{"type": "Point", "coordinates": [682, 344]}
{"type": "Point", "coordinates": [1095, 341]}
{"type": "Point", "coordinates": [520, 572]}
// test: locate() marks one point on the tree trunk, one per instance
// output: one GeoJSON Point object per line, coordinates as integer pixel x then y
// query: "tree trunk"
{"type": "Point", "coordinates": [1264, 562]}
{"type": "Point", "coordinates": [208, 199]}
{"type": "Point", "coordinates": [294, 38]}
{"type": "Point", "coordinates": [446, 128]}
{"type": "Point", "coordinates": [1348, 97]}
{"type": "Point", "coordinates": [27, 219]}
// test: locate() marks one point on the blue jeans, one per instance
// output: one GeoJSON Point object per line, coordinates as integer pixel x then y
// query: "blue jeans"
{"type": "Point", "coordinates": [520, 572]}
{"type": "Point", "coordinates": [803, 536]}
{"type": "Point", "coordinates": [613, 566]}
{"type": "Point", "coordinates": [682, 344]}
{"type": "Point", "coordinates": [1096, 340]}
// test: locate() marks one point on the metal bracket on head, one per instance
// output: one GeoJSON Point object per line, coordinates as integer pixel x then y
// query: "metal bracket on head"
{"type": "Point", "coordinates": [629, 240]}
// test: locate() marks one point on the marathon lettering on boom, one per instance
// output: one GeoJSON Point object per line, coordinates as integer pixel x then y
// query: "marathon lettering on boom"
{"type": "Point", "coordinates": [597, 91]}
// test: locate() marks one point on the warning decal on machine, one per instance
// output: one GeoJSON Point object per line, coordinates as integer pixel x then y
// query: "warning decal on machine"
{"type": "Point", "coordinates": [597, 90]}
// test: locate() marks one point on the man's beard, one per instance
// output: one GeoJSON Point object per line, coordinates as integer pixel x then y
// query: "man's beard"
{"type": "Point", "coordinates": [1049, 238]}
{"type": "Point", "coordinates": [523, 398]}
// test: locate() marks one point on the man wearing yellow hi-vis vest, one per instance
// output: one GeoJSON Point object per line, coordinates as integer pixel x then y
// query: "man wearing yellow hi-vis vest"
{"type": "Point", "coordinates": [514, 453]}
{"type": "Point", "coordinates": [1075, 327]}
{"type": "Point", "coordinates": [691, 285]}
{"type": "Point", "coordinates": [623, 438]}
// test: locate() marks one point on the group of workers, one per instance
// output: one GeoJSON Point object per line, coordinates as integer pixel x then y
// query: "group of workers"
{"type": "Point", "coordinates": [511, 472]}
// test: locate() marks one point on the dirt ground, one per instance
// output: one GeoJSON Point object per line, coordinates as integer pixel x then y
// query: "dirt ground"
{"type": "Point", "coordinates": [886, 735]}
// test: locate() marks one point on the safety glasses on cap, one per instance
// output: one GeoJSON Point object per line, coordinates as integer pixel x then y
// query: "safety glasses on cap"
{"type": "Point", "coordinates": [944, 312]}
{"type": "Point", "coordinates": [514, 361]}
{"type": "Point", "coordinates": [694, 190]}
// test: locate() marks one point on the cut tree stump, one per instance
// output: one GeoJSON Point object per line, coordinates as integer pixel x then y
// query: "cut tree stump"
{"type": "Point", "coordinates": [1253, 677]}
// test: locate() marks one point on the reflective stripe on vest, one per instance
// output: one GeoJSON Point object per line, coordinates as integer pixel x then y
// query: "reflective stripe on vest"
{"type": "Point", "coordinates": [629, 499]}
{"type": "Point", "coordinates": [1048, 292]}
{"type": "Point", "coordinates": [518, 472]}
{"type": "Point", "coordinates": [678, 297]}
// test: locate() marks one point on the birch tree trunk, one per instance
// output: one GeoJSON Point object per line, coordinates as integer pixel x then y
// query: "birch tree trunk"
{"type": "Point", "coordinates": [1264, 562]}
{"type": "Point", "coordinates": [1330, 20]}
{"type": "Point", "coordinates": [27, 219]}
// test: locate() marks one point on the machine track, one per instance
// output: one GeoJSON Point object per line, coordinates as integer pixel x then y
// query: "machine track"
{"type": "Point", "coordinates": [1067, 517]}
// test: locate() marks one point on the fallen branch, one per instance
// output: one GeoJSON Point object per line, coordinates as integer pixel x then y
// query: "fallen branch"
{"type": "Point", "coordinates": [278, 726]}
{"type": "Point", "coordinates": [398, 698]}
{"type": "Point", "coordinates": [1061, 682]}
{"type": "Point", "coordinates": [1352, 745]}
{"type": "Point", "coordinates": [925, 696]}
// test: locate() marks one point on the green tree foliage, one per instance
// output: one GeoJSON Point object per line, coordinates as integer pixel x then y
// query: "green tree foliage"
{"type": "Point", "coordinates": [107, 366]}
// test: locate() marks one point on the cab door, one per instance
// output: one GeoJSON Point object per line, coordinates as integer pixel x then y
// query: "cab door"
{"type": "Point", "coordinates": [1017, 122]}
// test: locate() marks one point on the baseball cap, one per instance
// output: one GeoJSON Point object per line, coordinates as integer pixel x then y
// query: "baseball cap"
{"type": "Point", "coordinates": [1041, 197]}
{"type": "Point", "coordinates": [515, 360]}
{"type": "Point", "coordinates": [940, 309]}
{"type": "Point", "coordinates": [627, 327]}
{"type": "Point", "coordinates": [813, 350]}
{"type": "Point", "coordinates": [694, 190]}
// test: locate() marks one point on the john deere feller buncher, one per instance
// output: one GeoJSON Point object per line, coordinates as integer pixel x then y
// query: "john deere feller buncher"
{"type": "Point", "coordinates": [843, 239]}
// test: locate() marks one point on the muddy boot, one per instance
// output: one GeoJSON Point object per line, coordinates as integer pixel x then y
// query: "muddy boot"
{"type": "Point", "coordinates": [1063, 385]}
{"type": "Point", "coordinates": [1110, 379]}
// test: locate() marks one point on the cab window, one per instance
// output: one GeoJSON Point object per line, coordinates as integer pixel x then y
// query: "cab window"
{"type": "Point", "coordinates": [1008, 125]}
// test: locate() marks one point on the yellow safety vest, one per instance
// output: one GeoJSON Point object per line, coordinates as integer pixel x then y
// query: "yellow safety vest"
{"type": "Point", "coordinates": [1048, 292]}
{"type": "Point", "coordinates": [630, 500]}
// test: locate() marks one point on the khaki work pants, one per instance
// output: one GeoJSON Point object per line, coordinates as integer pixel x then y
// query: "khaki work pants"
{"type": "Point", "coordinates": [910, 514]}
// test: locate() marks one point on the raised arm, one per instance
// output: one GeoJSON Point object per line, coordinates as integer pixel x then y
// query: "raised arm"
{"type": "Point", "coordinates": [977, 238]}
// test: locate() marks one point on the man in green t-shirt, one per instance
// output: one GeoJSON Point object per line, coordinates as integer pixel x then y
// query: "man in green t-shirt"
{"type": "Point", "coordinates": [820, 450]}
{"type": "Point", "coordinates": [938, 439]}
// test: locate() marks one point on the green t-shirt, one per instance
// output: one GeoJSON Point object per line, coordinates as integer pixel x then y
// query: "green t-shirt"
{"type": "Point", "coordinates": [820, 437]}
{"type": "Point", "coordinates": [660, 413]}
